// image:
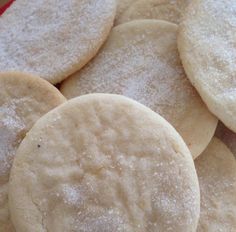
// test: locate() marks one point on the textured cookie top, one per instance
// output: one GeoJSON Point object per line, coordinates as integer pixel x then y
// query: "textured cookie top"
{"type": "Point", "coordinates": [23, 100]}
{"type": "Point", "coordinates": [216, 169]}
{"type": "Point", "coordinates": [103, 163]}
{"type": "Point", "coordinates": [168, 10]}
{"type": "Point", "coordinates": [53, 39]}
{"type": "Point", "coordinates": [140, 60]}
{"type": "Point", "coordinates": [208, 50]}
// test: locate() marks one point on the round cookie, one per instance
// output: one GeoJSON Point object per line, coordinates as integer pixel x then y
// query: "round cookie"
{"type": "Point", "coordinates": [227, 136]}
{"type": "Point", "coordinates": [140, 60]}
{"type": "Point", "coordinates": [216, 169]}
{"type": "Point", "coordinates": [23, 99]}
{"type": "Point", "coordinates": [103, 162]}
{"type": "Point", "coordinates": [168, 10]}
{"type": "Point", "coordinates": [207, 47]}
{"type": "Point", "coordinates": [54, 38]}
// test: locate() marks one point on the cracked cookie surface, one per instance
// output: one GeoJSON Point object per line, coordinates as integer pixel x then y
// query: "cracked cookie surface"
{"type": "Point", "coordinates": [103, 162]}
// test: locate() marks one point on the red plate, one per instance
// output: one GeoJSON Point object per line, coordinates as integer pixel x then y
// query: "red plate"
{"type": "Point", "coordinates": [3, 8]}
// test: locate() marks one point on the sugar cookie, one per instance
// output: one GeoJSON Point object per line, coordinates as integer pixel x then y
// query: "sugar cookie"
{"type": "Point", "coordinates": [23, 99]}
{"type": "Point", "coordinates": [227, 136]}
{"type": "Point", "coordinates": [208, 51]}
{"type": "Point", "coordinates": [168, 10]}
{"type": "Point", "coordinates": [140, 60]}
{"type": "Point", "coordinates": [103, 163]}
{"type": "Point", "coordinates": [53, 38]}
{"type": "Point", "coordinates": [216, 169]}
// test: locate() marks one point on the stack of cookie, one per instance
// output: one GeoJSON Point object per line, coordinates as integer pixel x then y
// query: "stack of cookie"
{"type": "Point", "coordinates": [128, 139]}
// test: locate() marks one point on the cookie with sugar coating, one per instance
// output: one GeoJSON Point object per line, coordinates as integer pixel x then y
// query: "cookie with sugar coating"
{"type": "Point", "coordinates": [216, 169]}
{"type": "Point", "coordinates": [53, 39]}
{"type": "Point", "coordinates": [23, 100]}
{"type": "Point", "coordinates": [105, 163]}
{"type": "Point", "coordinates": [207, 47]}
{"type": "Point", "coordinates": [140, 60]}
{"type": "Point", "coordinates": [168, 10]}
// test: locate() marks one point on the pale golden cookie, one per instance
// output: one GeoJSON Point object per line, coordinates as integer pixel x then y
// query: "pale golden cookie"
{"type": "Point", "coordinates": [23, 99]}
{"type": "Point", "coordinates": [168, 10]}
{"type": "Point", "coordinates": [140, 60]}
{"type": "Point", "coordinates": [53, 38]}
{"type": "Point", "coordinates": [207, 45]}
{"type": "Point", "coordinates": [216, 169]}
{"type": "Point", "coordinates": [103, 163]}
